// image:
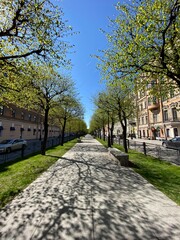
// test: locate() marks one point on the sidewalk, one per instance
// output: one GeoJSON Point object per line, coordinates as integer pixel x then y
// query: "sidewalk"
{"type": "Point", "coordinates": [86, 195]}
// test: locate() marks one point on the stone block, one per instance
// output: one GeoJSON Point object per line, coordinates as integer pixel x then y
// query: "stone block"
{"type": "Point", "coordinates": [121, 156]}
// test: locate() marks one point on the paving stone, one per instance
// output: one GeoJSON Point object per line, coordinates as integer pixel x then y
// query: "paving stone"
{"type": "Point", "coordinates": [86, 194]}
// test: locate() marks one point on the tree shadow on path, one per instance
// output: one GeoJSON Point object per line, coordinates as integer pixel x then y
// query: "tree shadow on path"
{"type": "Point", "coordinates": [87, 195]}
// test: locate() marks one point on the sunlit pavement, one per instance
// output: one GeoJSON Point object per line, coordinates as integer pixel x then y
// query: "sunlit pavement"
{"type": "Point", "coordinates": [87, 195]}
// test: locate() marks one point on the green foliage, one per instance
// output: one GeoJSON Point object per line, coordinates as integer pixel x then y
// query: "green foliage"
{"type": "Point", "coordinates": [69, 107]}
{"type": "Point", "coordinates": [32, 28]}
{"type": "Point", "coordinates": [98, 120]}
{"type": "Point", "coordinates": [37, 87]}
{"type": "Point", "coordinates": [144, 42]}
{"type": "Point", "coordinates": [64, 114]}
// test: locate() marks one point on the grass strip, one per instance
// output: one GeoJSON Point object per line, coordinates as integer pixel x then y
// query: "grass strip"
{"type": "Point", "coordinates": [163, 175]}
{"type": "Point", "coordinates": [17, 175]}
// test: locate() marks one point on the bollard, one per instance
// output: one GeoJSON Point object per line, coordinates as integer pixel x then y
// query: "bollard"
{"type": "Point", "coordinates": [144, 148]}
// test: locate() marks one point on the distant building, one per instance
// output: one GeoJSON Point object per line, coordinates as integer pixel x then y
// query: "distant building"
{"type": "Point", "coordinates": [158, 117]}
{"type": "Point", "coordinates": [20, 123]}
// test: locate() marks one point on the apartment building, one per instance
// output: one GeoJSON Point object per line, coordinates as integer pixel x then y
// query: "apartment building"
{"type": "Point", "coordinates": [20, 123]}
{"type": "Point", "coordinates": [158, 117]}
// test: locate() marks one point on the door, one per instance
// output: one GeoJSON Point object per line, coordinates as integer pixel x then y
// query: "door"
{"type": "Point", "coordinates": [175, 132]}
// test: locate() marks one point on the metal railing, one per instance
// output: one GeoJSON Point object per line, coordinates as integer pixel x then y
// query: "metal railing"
{"type": "Point", "coordinates": [157, 151]}
{"type": "Point", "coordinates": [33, 146]}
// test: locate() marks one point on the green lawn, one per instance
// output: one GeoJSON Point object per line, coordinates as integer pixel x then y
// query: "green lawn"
{"type": "Point", "coordinates": [163, 175]}
{"type": "Point", "coordinates": [16, 175]}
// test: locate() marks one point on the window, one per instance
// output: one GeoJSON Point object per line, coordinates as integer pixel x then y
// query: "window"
{"type": "Point", "coordinates": [22, 115]}
{"type": "Point", "coordinates": [145, 104]}
{"type": "Point", "coordinates": [35, 118]}
{"type": "Point", "coordinates": [167, 132]}
{"type": "Point", "coordinates": [155, 118]}
{"type": "Point", "coordinates": [174, 113]}
{"type": "Point", "coordinates": [29, 116]}
{"type": "Point", "coordinates": [149, 101]}
{"type": "Point", "coordinates": [140, 133]}
{"type": "Point", "coordinates": [1, 110]}
{"type": "Point", "coordinates": [144, 133]}
{"type": "Point", "coordinates": [13, 113]}
{"type": "Point", "coordinates": [175, 132]}
{"type": "Point", "coordinates": [142, 120]}
{"type": "Point", "coordinates": [141, 107]}
{"type": "Point", "coordinates": [1, 128]}
{"type": "Point", "coordinates": [165, 113]}
{"type": "Point", "coordinates": [147, 133]}
{"type": "Point", "coordinates": [146, 119]}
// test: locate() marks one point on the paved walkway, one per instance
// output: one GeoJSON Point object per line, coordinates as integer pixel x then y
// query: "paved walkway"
{"type": "Point", "coordinates": [87, 195]}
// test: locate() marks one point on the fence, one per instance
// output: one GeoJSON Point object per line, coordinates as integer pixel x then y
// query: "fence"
{"type": "Point", "coordinates": [157, 151]}
{"type": "Point", "coordinates": [33, 146]}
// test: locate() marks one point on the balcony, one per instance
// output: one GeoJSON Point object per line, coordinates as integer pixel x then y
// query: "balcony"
{"type": "Point", "coordinates": [153, 106]}
{"type": "Point", "coordinates": [132, 122]}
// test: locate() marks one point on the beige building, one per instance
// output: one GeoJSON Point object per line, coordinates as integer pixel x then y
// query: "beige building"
{"type": "Point", "coordinates": [20, 123]}
{"type": "Point", "coordinates": [158, 118]}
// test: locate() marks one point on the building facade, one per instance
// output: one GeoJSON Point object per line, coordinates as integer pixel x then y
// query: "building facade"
{"type": "Point", "coordinates": [20, 123]}
{"type": "Point", "coordinates": [158, 117]}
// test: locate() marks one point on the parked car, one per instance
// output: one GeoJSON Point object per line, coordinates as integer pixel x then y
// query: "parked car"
{"type": "Point", "coordinates": [172, 143]}
{"type": "Point", "coordinates": [9, 145]}
{"type": "Point", "coordinates": [132, 135]}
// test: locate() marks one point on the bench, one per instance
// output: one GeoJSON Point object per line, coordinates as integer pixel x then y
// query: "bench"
{"type": "Point", "coordinates": [121, 156]}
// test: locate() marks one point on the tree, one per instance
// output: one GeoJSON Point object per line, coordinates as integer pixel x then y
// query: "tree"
{"type": "Point", "coordinates": [145, 42]}
{"type": "Point", "coordinates": [117, 103]}
{"type": "Point", "coordinates": [123, 106]}
{"type": "Point", "coordinates": [104, 104]}
{"type": "Point", "coordinates": [31, 28]}
{"type": "Point", "coordinates": [98, 122]}
{"type": "Point", "coordinates": [66, 110]}
{"type": "Point", "coordinates": [39, 88]}
{"type": "Point", "coordinates": [77, 126]}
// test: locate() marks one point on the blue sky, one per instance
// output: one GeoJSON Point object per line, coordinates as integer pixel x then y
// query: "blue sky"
{"type": "Point", "coordinates": [87, 17]}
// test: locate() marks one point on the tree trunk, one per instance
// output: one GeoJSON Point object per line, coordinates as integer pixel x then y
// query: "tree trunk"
{"type": "Point", "coordinates": [111, 130]}
{"type": "Point", "coordinates": [109, 140]}
{"type": "Point", "coordinates": [63, 132]}
{"type": "Point", "coordinates": [124, 139]}
{"type": "Point", "coordinates": [104, 137]}
{"type": "Point", "coordinates": [100, 133]}
{"type": "Point", "coordinates": [44, 142]}
{"type": "Point", "coordinates": [124, 127]}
